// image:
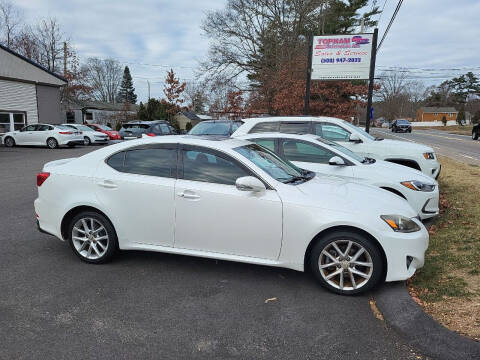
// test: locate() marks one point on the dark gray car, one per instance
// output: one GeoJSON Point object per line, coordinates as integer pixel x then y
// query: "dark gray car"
{"type": "Point", "coordinates": [135, 129]}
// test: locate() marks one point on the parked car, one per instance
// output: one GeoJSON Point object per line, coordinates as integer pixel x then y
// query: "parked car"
{"type": "Point", "coordinates": [475, 131]}
{"type": "Point", "coordinates": [401, 125]}
{"type": "Point", "coordinates": [135, 129]}
{"type": "Point", "coordinates": [107, 130]}
{"type": "Point", "coordinates": [52, 136]}
{"type": "Point", "coordinates": [216, 127]}
{"type": "Point", "coordinates": [90, 136]}
{"type": "Point", "coordinates": [326, 157]}
{"type": "Point", "coordinates": [416, 156]}
{"type": "Point", "coordinates": [231, 200]}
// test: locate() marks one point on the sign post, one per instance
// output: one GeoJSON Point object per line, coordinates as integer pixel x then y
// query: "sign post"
{"type": "Point", "coordinates": [341, 57]}
{"type": "Point", "coordinates": [371, 80]}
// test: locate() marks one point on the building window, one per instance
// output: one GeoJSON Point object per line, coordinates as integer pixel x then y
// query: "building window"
{"type": "Point", "coordinates": [435, 114]}
{"type": "Point", "coordinates": [88, 116]}
{"type": "Point", "coordinates": [70, 117]}
{"type": "Point", "coordinates": [11, 122]}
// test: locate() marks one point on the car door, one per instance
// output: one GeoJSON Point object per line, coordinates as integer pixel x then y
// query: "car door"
{"type": "Point", "coordinates": [313, 157]}
{"type": "Point", "coordinates": [26, 135]}
{"type": "Point", "coordinates": [165, 129]}
{"type": "Point", "coordinates": [39, 137]}
{"type": "Point", "coordinates": [137, 186]}
{"type": "Point", "coordinates": [213, 215]}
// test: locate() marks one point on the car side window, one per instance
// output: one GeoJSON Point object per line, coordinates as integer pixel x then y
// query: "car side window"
{"type": "Point", "coordinates": [152, 161]}
{"type": "Point", "coordinates": [295, 150]}
{"type": "Point", "coordinates": [267, 143]}
{"type": "Point", "coordinates": [165, 129]}
{"type": "Point", "coordinates": [30, 128]}
{"type": "Point", "coordinates": [157, 130]}
{"type": "Point", "coordinates": [270, 126]}
{"type": "Point", "coordinates": [295, 127]}
{"type": "Point", "coordinates": [43, 128]}
{"type": "Point", "coordinates": [209, 166]}
{"type": "Point", "coordinates": [331, 132]}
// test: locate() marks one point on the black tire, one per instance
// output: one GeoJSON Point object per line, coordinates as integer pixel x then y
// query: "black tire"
{"type": "Point", "coordinates": [372, 255]}
{"type": "Point", "coordinates": [475, 135]}
{"type": "Point", "coordinates": [111, 245]}
{"type": "Point", "coordinates": [71, 145]}
{"type": "Point", "coordinates": [9, 142]}
{"type": "Point", "coordinates": [409, 130]}
{"type": "Point", "coordinates": [52, 143]}
{"type": "Point", "coordinates": [87, 141]}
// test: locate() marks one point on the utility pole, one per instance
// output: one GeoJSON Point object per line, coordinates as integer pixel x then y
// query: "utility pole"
{"type": "Point", "coordinates": [371, 80]}
{"type": "Point", "coordinates": [64, 58]}
{"type": "Point", "coordinates": [148, 85]}
{"type": "Point", "coordinates": [309, 74]}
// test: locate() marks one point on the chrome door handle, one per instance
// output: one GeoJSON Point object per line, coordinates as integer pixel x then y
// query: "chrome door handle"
{"type": "Point", "coordinates": [188, 196]}
{"type": "Point", "coordinates": [107, 184]}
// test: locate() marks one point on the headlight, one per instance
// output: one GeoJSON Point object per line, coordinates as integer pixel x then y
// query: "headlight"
{"type": "Point", "coordinates": [401, 223]}
{"type": "Point", "coordinates": [416, 185]}
{"type": "Point", "coordinates": [429, 156]}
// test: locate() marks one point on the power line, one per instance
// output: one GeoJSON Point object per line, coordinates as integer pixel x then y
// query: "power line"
{"type": "Point", "coordinates": [390, 23]}
{"type": "Point", "coordinates": [383, 8]}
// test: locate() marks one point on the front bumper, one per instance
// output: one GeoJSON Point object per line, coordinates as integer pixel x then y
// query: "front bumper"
{"type": "Point", "coordinates": [426, 204]}
{"type": "Point", "coordinates": [405, 253]}
{"type": "Point", "coordinates": [430, 167]}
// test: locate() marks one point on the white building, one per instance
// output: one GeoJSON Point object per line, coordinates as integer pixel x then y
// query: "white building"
{"type": "Point", "coordinates": [29, 93]}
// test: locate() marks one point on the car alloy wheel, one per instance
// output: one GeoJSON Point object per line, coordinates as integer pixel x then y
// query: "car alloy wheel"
{"type": "Point", "coordinates": [92, 237]}
{"type": "Point", "coordinates": [9, 142]}
{"type": "Point", "coordinates": [346, 263]}
{"type": "Point", "coordinates": [86, 141]}
{"type": "Point", "coordinates": [52, 143]}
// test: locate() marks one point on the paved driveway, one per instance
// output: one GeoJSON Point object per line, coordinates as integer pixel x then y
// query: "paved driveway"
{"type": "Point", "coordinates": [151, 305]}
{"type": "Point", "coordinates": [457, 147]}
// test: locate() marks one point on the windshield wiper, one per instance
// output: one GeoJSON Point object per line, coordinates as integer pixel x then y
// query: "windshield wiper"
{"type": "Point", "coordinates": [295, 179]}
{"type": "Point", "coordinates": [379, 139]}
{"type": "Point", "coordinates": [367, 160]}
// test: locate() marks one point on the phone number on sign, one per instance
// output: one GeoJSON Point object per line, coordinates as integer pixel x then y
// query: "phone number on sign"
{"type": "Point", "coordinates": [340, 60]}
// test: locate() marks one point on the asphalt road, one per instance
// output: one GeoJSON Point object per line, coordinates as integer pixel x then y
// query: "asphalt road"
{"type": "Point", "coordinates": [152, 305]}
{"type": "Point", "coordinates": [457, 147]}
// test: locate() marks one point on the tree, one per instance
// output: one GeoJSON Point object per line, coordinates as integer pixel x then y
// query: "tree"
{"type": "Point", "coordinates": [476, 117]}
{"type": "Point", "coordinates": [173, 90]}
{"type": "Point", "coordinates": [444, 120]}
{"type": "Point", "coordinates": [103, 76]}
{"type": "Point", "coordinates": [465, 86]}
{"type": "Point", "coordinates": [461, 117]}
{"type": "Point", "coordinates": [154, 110]}
{"type": "Point", "coordinates": [10, 22]}
{"type": "Point", "coordinates": [196, 96]}
{"type": "Point", "coordinates": [142, 112]}
{"type": "Point", "coordinates": [49, 40]}
{"type": "Point", "coordinates": [188, 126]}
{"type": "Point", "coordinates": [126, 94]}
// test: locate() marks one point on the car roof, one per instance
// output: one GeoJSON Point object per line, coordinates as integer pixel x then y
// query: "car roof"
{"type": "Point", "coordinates": [292, 119]}
{"type": "Point", "coordinates": [143, 122]}
{"type": "Point", "coordinates": [221, 120]}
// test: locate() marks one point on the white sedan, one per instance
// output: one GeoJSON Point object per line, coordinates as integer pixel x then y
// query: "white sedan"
{"type": "Point", "coordinates": [326, 157]}
{"type": "Point", "coordinates": [416, 156]}
{"type": "Point", "coordinates": [52, 136]}
{"type": "Point", "coordinates": [90, 136]}
{"type": "Point", "coordinates": [232, 200]}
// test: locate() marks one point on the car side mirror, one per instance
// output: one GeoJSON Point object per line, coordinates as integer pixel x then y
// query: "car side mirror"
{"type": "Point", "coordinates": [336, 160]}
{"type": "Point", "coordinates": [355, 138]}
{"type": "Point", "coordinates": [250, 183]}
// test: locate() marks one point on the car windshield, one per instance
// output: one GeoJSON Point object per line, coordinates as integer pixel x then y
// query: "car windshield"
{"type": "Point", "coordinates": [136, 126]}
{"type": "Point", "coordinates": [404, 122]}
{"type": "Point", "coordinates": [212, 128]}
{"type": "Point", "coordinates": [105, 127]}
{"type": "Point", "coordinates": [277, 168]}
{"type": "Point", "coordinates": [359, 130]}
{"type": "Point", "coordinates": [342, 149]}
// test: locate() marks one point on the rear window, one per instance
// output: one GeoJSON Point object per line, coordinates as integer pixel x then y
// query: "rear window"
{"type": "Point", "coordinates": [212, 128]}
{"type": "Point", "coordinates": [135, 126]}
{"type": "Point", "coordinates": [295, 127]}
{"type": "Point", "coordinates": [270, 126]}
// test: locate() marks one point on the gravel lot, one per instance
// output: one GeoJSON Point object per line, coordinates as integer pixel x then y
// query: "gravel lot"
{"type": "Point", "coordinates": [151, 305]}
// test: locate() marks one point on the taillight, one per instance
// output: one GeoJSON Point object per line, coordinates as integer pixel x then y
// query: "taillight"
{"type": "Point", "coordinates": [41, 177]}
{"type": "Point", "coordinates": [150, 134]}
{"type": "Point", "coordinates": [65, 132]}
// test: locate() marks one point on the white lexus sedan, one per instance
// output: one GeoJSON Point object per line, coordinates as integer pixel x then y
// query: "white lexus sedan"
{"type": "Point", "coordinates": [327, 157]}
{"type": "Point", "coordinates": [52, 136]}
{"type": "Point", "coordinates": [416, 156]}
{"type": "Point", "coordinates": [231, 200]}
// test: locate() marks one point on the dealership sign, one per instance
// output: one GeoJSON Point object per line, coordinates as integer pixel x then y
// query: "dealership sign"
{"type": "Point", "coordinates": [341, 57]}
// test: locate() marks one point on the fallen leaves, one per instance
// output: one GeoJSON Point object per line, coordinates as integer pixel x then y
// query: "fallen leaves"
{"type": "Point", "coordinates": [270, 300]}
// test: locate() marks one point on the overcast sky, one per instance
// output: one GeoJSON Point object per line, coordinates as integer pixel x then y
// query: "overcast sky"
{"type": "Point", "coordinates": [150, 36]}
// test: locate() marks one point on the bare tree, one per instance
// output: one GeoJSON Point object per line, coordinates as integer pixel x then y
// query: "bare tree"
{"type": "Point", "coordinates": [49, 39]}
{"type": "Point", "coordinates": [10, 22]}
{"type": "Point", "coordinates": [196, 96]}
{"type": "Point", "coordinates": [103, 77]}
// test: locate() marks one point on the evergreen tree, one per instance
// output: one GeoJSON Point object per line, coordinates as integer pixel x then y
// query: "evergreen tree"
{"type": "Point", "coordinates": [127, 91]}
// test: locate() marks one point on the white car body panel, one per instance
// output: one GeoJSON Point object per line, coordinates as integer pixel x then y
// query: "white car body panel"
{"type": "Point", "coordinates": [382, 174]}
{"type": "Point", "coordinates": [238, 229]}
{"type": "Point", "coordinates": [96, 137]}
{"type": "Point", "coordinates": [381, 150]}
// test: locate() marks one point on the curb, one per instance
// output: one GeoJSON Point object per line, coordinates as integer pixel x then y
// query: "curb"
{"type": "Point", "coordinates": [419, 329]}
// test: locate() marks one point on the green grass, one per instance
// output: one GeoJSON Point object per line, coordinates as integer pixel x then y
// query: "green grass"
{"type": "Point", "coordinates": [453, 258]}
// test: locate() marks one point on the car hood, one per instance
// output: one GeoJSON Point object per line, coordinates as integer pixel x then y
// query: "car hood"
{"type": "Point", "coordinates": [397, 147]}
{"type": "Point", "coordinates": [342, 195]}
{"type": "Point", "coordinates": [381, 171]}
